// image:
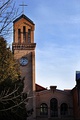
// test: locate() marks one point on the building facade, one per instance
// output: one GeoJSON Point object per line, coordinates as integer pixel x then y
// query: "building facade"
{"type": "Point", "coordinates": [54, 104]}
{"type": "Point", "coordinates": [47, 104]}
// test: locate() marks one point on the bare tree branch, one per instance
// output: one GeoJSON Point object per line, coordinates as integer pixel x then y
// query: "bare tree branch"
{"type": "Point", "coordinates": [14, 106]}
{"type": "Point", "coordinates": [6, 3]}
{"type": "Point", "coordinates": [9, 94]}
{"type": "Point", "coordinates": [8, 13]}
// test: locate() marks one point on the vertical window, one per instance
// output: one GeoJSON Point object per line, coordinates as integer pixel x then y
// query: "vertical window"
{"type": "Point", "coordinates": [43, 109]}
{"type": "Point", "coordinates": [24, 33]}
{"type": "Point", "coordinates": [19, 35]}
{"type": "Point", "coordinates": [29, 35]}
{"type": "Point", "coordinates": [64, 109]}
{"type": "Point", "coordinates": [54, 107]}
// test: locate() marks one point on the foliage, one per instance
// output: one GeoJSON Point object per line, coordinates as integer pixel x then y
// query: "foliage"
{"type": "Point", "coordinates": [12, 98]}
{"type": "Point", "coordinates": [8, 66]}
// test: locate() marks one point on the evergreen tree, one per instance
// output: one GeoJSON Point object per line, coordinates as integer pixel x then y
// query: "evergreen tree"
{"type": "Point", "coordinates": [8, 66]}
{"type": "Point", "coordinates": [12, 98]}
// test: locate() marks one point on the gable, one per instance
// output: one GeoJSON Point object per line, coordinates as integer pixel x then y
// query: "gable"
{"type": "Point", "coordinates": [24, 17]}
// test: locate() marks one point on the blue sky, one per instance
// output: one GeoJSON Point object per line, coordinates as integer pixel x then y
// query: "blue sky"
{"type": "Point", "coordinates": [57, 34]}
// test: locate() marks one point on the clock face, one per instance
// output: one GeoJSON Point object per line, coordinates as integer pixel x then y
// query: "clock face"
{"type": "Point", "coordinates": [23, 61]}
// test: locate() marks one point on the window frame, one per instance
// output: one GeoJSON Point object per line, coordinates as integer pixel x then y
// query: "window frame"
{"type": "Point", "coordinates": [43, 109]}
{"type": "Point", "coordinates": [64, 109]}
{"type": "Point", "coordinates": [54, 107]}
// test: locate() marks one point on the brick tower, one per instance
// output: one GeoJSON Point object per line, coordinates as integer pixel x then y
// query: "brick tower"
{"type": "Point", "coordinates": [24, 52]}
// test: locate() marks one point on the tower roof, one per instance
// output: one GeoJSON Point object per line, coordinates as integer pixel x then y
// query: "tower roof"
{"type": "Point", "coordinates": [25, 17]}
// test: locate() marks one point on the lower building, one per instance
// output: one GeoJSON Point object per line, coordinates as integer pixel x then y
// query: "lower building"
{"type": "Point", "coordinates": [54, 104]}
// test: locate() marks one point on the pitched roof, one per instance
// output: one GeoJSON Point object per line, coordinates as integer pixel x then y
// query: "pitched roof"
{"type": "Point", "coordinates": [25, 17]}
{"type": "Point", "coordinates": [39, 88]}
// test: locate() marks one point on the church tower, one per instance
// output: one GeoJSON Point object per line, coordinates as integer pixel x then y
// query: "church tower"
{"type": "Point", "coordinates": [24, 52]}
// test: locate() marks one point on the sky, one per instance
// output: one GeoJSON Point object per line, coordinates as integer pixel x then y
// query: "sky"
{"type": "Point", "coordinates": [57, 35]}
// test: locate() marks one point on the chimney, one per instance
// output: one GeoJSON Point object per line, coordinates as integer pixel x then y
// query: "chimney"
{"type": "Point", "coordinates": [53, 88]}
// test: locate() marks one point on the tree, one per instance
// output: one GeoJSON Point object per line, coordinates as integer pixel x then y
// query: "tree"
{"type": "Point", "coordinates": [12, 98]}
{"type": "Point", "coordinates": [8, 13]}
{"type": "Point", "coordinates": [8, 66]}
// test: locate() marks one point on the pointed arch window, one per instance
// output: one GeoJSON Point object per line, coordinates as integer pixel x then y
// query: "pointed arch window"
{"type": "Point", "coordinates": [54, 107]}
{"type": "Point", "coordinates": [64, 109]}
{"type": "Point", "coordinates": [43, 109]}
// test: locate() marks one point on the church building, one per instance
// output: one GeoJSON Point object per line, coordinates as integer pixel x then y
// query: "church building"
{"type": "Point", "coordinates": [47, 104]}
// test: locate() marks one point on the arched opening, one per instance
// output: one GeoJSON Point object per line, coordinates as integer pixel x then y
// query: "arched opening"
{"type": "Point", "coordinates": [53, 107]}
{"type": "Point", "coordinates": [64, 109]}
{"type": "Point", "coordinates": [43, 109]}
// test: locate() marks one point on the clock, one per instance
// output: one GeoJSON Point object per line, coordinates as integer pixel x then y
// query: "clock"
{"type": "Point", "coordinates": [23, 61]}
